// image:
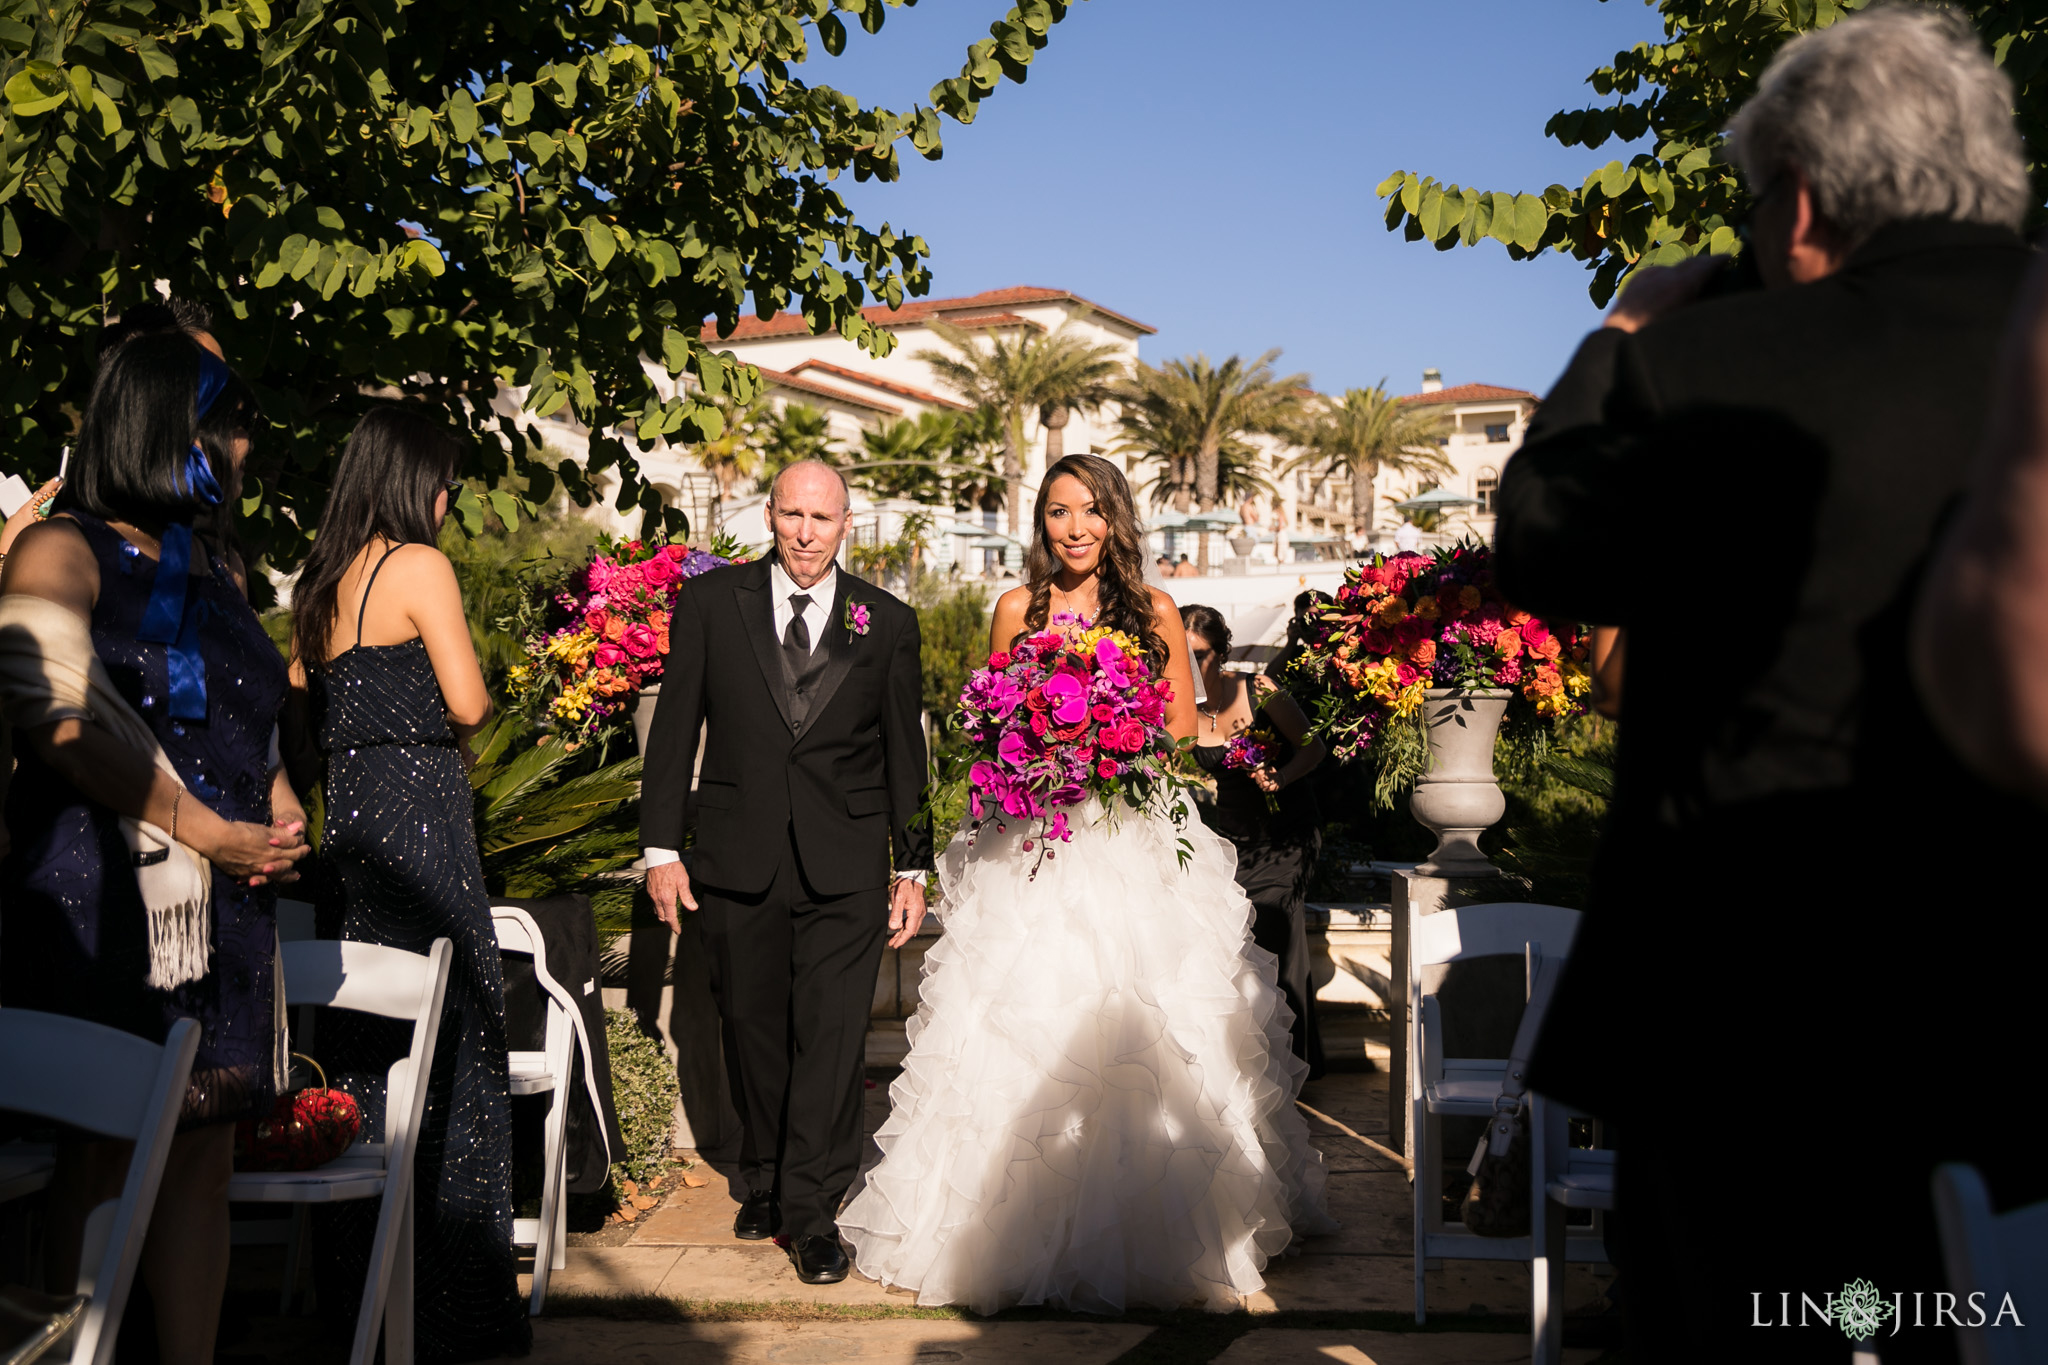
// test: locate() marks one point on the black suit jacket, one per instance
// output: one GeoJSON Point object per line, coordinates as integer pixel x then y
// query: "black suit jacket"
{"type": "Point", "coordinates": [1751, 485]}
{"type": "Point", "coordinates": [850, 783]}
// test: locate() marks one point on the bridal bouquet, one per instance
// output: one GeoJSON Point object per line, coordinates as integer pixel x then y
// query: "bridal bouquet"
{"type": "Point", "coordinates": [1401, 626]}
{"type": "Point", "coordinates": [593, 639]}
{"type": "Point", "coordinates": [1063, 718]}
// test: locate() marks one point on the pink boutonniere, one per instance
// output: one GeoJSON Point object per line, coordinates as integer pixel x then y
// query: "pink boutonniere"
{"type": "Point", "coordinates": [856, 618]}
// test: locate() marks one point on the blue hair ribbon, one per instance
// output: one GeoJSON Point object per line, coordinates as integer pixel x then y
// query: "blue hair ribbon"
{"type": "Point", "coordinates": [171, 619]}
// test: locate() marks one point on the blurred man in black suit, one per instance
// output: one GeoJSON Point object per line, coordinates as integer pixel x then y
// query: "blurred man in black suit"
{"type": "Point", "coordinates": [1794, 986]}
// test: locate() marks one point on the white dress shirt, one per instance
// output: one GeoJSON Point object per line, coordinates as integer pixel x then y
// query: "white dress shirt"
{"type": "Point", "coordinates": [817, 616]}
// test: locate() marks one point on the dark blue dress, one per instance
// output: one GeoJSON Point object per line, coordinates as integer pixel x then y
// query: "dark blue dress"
{"type": "Point", "coordinates": [400, 867]}
{"type": "Point", "coordinates": [73, 937]}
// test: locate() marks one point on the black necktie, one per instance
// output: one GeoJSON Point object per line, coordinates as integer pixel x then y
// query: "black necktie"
{"type": "Point", "coordinates": [796, 641]}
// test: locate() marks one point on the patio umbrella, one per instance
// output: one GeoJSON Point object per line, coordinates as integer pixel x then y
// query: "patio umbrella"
{"type": "Point", "coordinates": [1436, 499]}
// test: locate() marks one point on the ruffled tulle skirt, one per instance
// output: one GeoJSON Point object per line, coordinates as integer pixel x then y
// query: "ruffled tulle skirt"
{"type": "Point", "coordinates": [1097, 1110]}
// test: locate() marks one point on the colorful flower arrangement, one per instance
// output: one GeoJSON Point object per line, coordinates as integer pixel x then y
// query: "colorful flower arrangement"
{"type": "Point", "coordinates": [595, 638]}
{"type": "Point", "coordinates": [1062, 718]}
{"type": "Point", "coordinates": [1400, 626]}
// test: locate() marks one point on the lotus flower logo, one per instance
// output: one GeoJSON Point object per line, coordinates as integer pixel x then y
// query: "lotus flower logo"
{"type": "Point", "coordinates": [1860, 1310]}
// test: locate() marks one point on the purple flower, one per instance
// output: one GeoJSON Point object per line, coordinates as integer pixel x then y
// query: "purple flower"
{"type": "Point", "coordinates": [1013, 750]}
{"type": "Point", "coordinates": [1113, 664]}
{"type": "Point", "coordinates": [1066, 698]}
{"type": "Point", "coordinates": [857, 617]}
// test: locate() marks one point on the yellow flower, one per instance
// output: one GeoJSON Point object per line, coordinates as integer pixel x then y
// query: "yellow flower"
{"type": "Point", "coordinates": [1392, 611]}
{"type": "Point", "coordinates": [1410, 699]}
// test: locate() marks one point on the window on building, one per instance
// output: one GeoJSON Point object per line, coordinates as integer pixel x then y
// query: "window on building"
{"type": "Point", "coordinates": [1484, 488]}
{"type": "Point", "coordinates": [1496, 432]}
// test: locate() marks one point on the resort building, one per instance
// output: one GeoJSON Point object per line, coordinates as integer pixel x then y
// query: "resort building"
{"type": "Point", "coordinates": [1308, 517]}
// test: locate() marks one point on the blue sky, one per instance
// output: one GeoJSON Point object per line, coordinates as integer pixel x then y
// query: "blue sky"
{"type": "Point", "coordinates": [1208, 168]}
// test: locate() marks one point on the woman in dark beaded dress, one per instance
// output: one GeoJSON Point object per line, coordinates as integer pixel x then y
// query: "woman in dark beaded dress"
{"type": "Point", "coordinates": [162, 443]}
{"type": "Point", "coordinates": [1269, 813]}
{"type": "Point", "coordinates": [392, 688]}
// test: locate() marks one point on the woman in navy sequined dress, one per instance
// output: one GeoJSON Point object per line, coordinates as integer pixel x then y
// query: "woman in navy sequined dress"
{"type": "Point", "coordinates": [383, 648]}
{"type": "Point", "coordinates": [76, 932]}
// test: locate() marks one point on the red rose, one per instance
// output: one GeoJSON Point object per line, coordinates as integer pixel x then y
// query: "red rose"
{"type": "Point", "coordinates": [1106, 768]}
{"type": "Point", "coordinates": [659, 572]}
{"type": "Point", "coordinates": [1103, 715]}
{"type": "Point", "coordinates": [597, 621]}
{"type": "Point", "coordinates": [1000, 659]}
{"type": "Point", "coordinates": [675, 552]}
{"type": "Point", "coordinates": [1038, 726]}
{"type": "Point", "coordinates": [1035, 699]}
{"type": "Point", "coordinates": [639, 641]}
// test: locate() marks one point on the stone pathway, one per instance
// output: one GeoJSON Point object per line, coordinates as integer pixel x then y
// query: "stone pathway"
{"type": "Point", "coordinates": [683, 1291]}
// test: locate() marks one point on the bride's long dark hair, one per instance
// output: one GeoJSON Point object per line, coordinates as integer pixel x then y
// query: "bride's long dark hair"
{"type": "Point", "coordinates": [1123, 602]}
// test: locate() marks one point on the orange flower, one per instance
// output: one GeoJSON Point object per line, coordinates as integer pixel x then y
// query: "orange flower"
{"type": "Point", "coordinates": [1424, 653]}
{"type": "Point", "coordinates": [1550, 648]}
{"type": "Point", "coordinates": [1392, 610]}
{"type": "Point", "coordinates": [1426, 609]}
{"type": "Point", "coordinates": [615, 629]}
{"type": "Point", "coordinates": [1508, 643]}
{"type": "Point", "coordinates": [1516, 618]}
{"type": "Point", "coordinates": [1546, 682]}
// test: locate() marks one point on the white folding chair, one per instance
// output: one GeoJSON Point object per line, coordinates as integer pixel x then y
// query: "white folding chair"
{"type": "Point", "coordinates": [1442, 1086]}
{"type": "Point", "coordinates": [536, 1073]}
{"type": "Point", "coordinates": [114, 1083]}
{"type": "Point", "coordinates": [2004, 1257]}
{"type": "Point", "coordinates": [1562, 1177]}
{"type": "Point", "coordinates": [393, 984]}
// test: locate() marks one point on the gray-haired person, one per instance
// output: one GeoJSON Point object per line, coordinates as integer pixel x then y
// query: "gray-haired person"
{"type": "Point", "coordinates": [1793, 993]}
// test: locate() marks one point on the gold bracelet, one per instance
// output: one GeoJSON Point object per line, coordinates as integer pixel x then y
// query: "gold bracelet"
{"type": "Point", "coordinates": [177, 795]}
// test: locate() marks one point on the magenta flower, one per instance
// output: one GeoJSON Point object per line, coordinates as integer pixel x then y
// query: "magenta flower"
{"type": "Point", "coordinates": [1066, 698]}
{"type": "Point", "coordinates": [857, 617]}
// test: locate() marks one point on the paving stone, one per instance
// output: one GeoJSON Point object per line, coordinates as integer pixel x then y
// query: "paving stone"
{"type": "Point", "coordinates": [699, 1217]}
{"type": "Point", "coordinates": [752, 1272]}
{"type": "Point", "coordinates": [1280, 1346]}
{"type": "Point", "coordinates": [1355, 1283]}
{"type": "Point", "coordinates": [610, 1270]}
{"type": "Point", "coordinates": [577, 1341]}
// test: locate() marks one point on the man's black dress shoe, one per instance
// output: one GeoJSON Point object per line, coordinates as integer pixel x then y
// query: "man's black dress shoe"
{"type": "Point", "coordinates": [819, 1260]}
{"type": "Point", "coordinates": [757, 1218]}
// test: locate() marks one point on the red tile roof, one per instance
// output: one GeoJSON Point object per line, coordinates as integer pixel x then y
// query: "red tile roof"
{"type": "Point", "coordinates": [916, 311]}
{"type": "Point", "coordinates": [782, 379]}
{"type": "Point", "coordinates": [886, 385]}
{"type": "Point", "coordinates": [1467, 393]}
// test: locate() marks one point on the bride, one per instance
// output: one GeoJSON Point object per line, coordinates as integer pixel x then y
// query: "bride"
{"type": "Point", "coordinates": [1098, 1109]}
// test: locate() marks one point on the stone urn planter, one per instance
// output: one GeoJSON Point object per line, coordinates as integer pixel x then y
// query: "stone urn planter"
{"type": "Point", "coordinates": [643, 716]}
{"type": "Point", "coordinates": [1458, 797]}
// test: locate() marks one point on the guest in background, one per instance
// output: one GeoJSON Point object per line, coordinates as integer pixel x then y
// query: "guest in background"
{"type": "Point", "coordinates": [117, 580]}
{"type": "Point", "coordinates": [1267, 812]}
{"type": "Point", "coordinates": [1795, 783]}
{"type": "Point", "coordinates": [386, 677]}
{"type": "Point", "coordinates": [1184, 569]}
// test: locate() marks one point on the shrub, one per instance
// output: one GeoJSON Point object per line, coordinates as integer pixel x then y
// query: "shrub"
{"type": "Point", "coordinates": [645, 1091]}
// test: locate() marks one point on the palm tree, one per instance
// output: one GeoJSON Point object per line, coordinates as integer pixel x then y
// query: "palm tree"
{"type": "Point", "coordinates": [736, 455]}
{"type": "Point", "coordinates": [1184, 412]}
{"type": "Point", "coordinates": [798, 432]}
{"type": "Point", "coordinates": [1369, 432]}
{"type": "Point", "coordinates": [907, 458]}
{"type": "Point", "coordinates": [1021, 373]}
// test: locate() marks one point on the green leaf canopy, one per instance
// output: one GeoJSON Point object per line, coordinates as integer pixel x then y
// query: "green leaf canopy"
{"type": "Point", "coordinates": [431, 198]}
{"type": "Point", "coordinates": [1679, 199]}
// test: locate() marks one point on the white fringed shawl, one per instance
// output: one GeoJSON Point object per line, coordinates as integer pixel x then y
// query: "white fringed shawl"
{"type": "Point", "coordinates": [48, 673]}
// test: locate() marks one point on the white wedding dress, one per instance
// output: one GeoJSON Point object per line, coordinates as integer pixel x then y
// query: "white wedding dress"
{"type": "Point", "coordinates": [1098, 1106]}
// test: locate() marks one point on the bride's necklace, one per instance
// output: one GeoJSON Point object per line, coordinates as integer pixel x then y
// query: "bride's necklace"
{"type": "Point", "coordinates": [1069, 608]}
